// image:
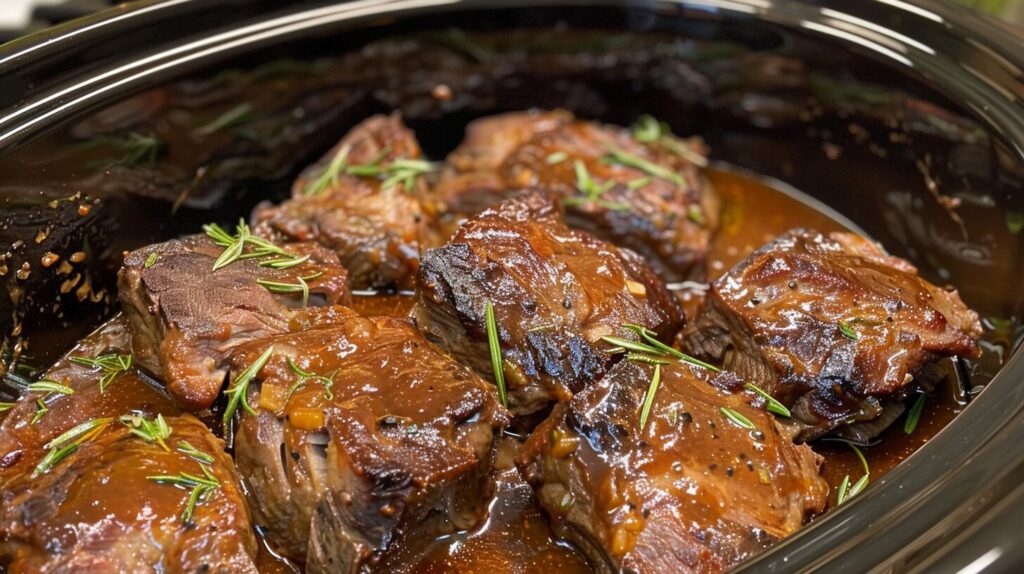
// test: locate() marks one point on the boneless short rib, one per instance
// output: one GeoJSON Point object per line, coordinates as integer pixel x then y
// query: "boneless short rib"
{"type": "Point", "coordinates": [831, 326]}
{"type": "Point", "coordinates": [555, 293]}
{"type": "Point", "coordinates": [691, 491]}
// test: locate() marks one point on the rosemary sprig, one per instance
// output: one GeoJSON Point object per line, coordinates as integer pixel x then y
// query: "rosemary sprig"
{"type": "Point", "coordinates": [591, 190]}
{"type": "Point", "coordinates": [285, 288]}
{"type": "Point", "coordinates": [494, 343]}
{"type": "Point", "coordinates": [41, 410]}
{"type": "Point", "coordinates": [649, 397]}
{"type": "Point", "coordinates": [238, 392]}
{"type": "Point", "coordinates": [156, 430]}
{"type": "Point", "coordinates": [64, 445]}
{"type": "Point", "coordinates": [236, 116]}
{"type": "Point", "coordinates": [194, 453]}
{"type": "Point", "coordinates": [621, 157]}
{"type": "Point", "coordinates": [652, 339]}
{"type": "Point", "coordinates": [138, 149]}
{"type": "Point", "coordinates": [151, 260]}
{"type": "Point", "coordinates": [306, 376]}
{"type": "Point", "coordinates": [647, 129]}
{"type": "Point", "coordinates": [110, 364]}
{"type": "Point", "coordinates": [329, 177]}
{"type": "Point", "coordinates": [4, 407]}
{"type": "Point", "coordinates": [847, 492]}
{"type": "Point", "coordinates": [235, 247]}
{"type": "Point", "coordinates": [201, 488]}
{"type": "Point", "coordinates": [770, 404]}
{"type": "Point", "coordinates": [405, 172]}
{"type": "Point", "coordinates": [737, 418]}
{"type": "Point", "coordinates": [848, 331]}
{"type": "Point", "coordinates": [914, 416]}
{"type": "Point", "coordinates": [50, 387]}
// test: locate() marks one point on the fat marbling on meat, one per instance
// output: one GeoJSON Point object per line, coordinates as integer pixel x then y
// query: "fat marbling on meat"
{"type": "Point", "coordinates": [382, 429]}
{"type": "Point", "coordinates": [830, 326]}
{"type": "Point", "coordinates": [642, 190]}
{"type": "Point", "coordinates": [186, 317]}
{"type": "Point", "coordinates": [555, 292]}
{"type": "Point", "coordinates": [692, 491]}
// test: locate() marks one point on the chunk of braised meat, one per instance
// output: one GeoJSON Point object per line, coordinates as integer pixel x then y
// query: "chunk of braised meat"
{"type": "Point", "coordinates": [99, 509]}
{"type": "Point", "coordinates": [649, 196]}
{"type": "Point", "coordinates": [350, 203]}
{"type": "Point", "coordinates": [38, 417]}
{"type": "Point", "coordinates": [187, 318]}
{"type": "Point", "coordinates": [832, 327]}
{"type": "Point", "coordinates": [692, 491]}
{"type": "Point", "coordinates": [362, 427]}
{"type": "Point", "coordinates": [555, 292]}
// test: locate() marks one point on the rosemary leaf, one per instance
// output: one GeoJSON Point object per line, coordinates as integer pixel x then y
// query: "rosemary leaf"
{"type": "Point", "coordinates": [737, 418]}
{"type": "Point", "coordinates": [496, 360]}
{"type": "Point", "coordinates": [649, 397]}
{"type": "Point", "coordinates": [48, 386]}
{"type": "Point", "coordinates": [651, 338]}
{"type": "Point", "coordinates": [914, 416]}
{"type": "Point", "coordinates": [771, 405]}
{"type": "Point", "coordinates": [621, 157]}
{"type": "Point", "coordinates": [194, 453]}
{"type": "Point", "coordinates": [238, 391]}
{"type": "Point", "coordinates": [848, 331]}
{"type": "Point", "coordinates": [156, 430]}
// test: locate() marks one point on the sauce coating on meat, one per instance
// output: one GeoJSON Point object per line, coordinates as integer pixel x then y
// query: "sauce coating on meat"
{"type": "Point", "coordinates": [361, 427]}
{"type": "Point", "coordinates": [366, 200]}
{"type": "Point", "coordinates": [642, 190]}
{"type": "Point", "coordinates": [832, 327]}
{"type": "Point", "coordinates": [100, 509]}
{"type": "Point", "coordinates": [555, 293]}
{"type": "Point", "coordinates": [691, 491]}
{"type": "Point", "coordinates": [187, 317]}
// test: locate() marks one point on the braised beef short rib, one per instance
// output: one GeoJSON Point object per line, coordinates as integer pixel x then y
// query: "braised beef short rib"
{"type": "Point", "coordinates": [649, 195]}
{"type": "Point", "coordinates": [187, 318]}
{"type": "Point", "coordinates": [691, 491]}
{"type": "Point", "coordinates": [832, 327]}
{"type": "Point", "coordinates": [99, 510]}
{"type": "Point", "coordinates": [376, 226]}
{"type": "Point", "coordinates": [382, 429]}
{"type": "Point", "coordinates": [555, 292]}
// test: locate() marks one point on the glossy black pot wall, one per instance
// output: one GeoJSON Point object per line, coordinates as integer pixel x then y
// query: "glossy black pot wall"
{"type": "Point", "coordinates": [141, 122]}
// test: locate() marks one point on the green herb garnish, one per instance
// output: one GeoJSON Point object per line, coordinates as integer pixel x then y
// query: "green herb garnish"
{"type": "Point", "coordinates": [644, 358]}
{"type": "Point", "coordinates": [151, 260]}
{"type": "Point", "coordinates": [238, 392]}
{"type": "Point", "coordinates": [848, 331]}
{"type": "Point", "coordinates": [138, 149]}
{"type": "Point", "coordinates": [647, 129]}
{"type": "Point", "coordinates": [64, 445]}
{"type": "Point", "coordinates": [234, 247]}
{"type": "Point", "coordinates": [156, 430]}
{"type": "Point", "coordinates": [305, 376]}
{"type": "Point", "coordinates": [4, 407]}
{"type": "Point", "coordinates": [556, 157]}
{"type": "Point", "coordinates": [845, 491]}
{"type": "Point", "coordinates": [51, 387]}
{"type": "Point", "coordinates": [649, 397]}
{"type": "Point", "coordinates": [591, 190]}
{"type": "Point", "coordinates": [110, 364]}
{"type": "Point", "coordinates": [194, 453]}
{"type": "Point", "coordinates": [736, 418]}
{"type": "Point", "coordinates": [284, 288]}
{"type": "Point", "coordinates": [915, 414]}
{"type": "Point", "coordinates": [236, 116]}
{"type": "Point", "coordinates": [329, 177]}
{"type": "Point", "coordinates": [41, 410]}
{"type": "Point", "coordinates": [618, 156]}
{"type": "Point", "coordinates": [651, 337]}
{"type": "Point", "coordinates": [770, 404]}
{"type": "Point", "coordinates": [494, 343]}
{"type": "Point", "coordinates": [201, 488]}
{"type": "Point", "coordinates": [638, 183]}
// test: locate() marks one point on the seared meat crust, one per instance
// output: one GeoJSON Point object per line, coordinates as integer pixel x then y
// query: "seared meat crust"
{"type": "Point", "coordinates": [831, 326]}
{"type": "Point", "coordinates": [669, 219]}
{"type": "Point", "coordinates": [555, 292]}
{"type": "Point", "coordinates": [690, 492]}
{"type": "Point", "coordinates": [393, 431]}
{"type": "Point", "coordinates": [186, 318]}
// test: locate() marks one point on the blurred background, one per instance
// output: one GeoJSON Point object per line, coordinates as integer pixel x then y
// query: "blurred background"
{"type": "Point", "coordinates": [19, 17]}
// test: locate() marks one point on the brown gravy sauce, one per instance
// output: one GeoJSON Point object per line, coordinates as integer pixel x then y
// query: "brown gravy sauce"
{"type": "Point", "coordinates": [515, 538]}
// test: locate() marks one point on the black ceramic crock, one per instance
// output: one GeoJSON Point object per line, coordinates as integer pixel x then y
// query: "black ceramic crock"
{"type": "Point", "coordinates": [907, 116]}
